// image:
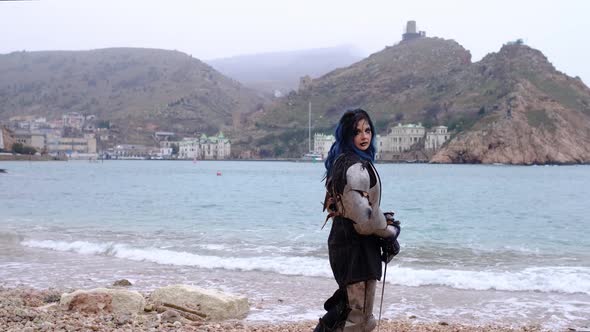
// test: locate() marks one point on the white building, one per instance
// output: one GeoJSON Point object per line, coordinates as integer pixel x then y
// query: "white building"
{"type": "Point", "coordinates": [189, 148]}
{"type": "Point", "coordinates": [36, 140]}
{"type": "Point", "coordinates": [212, 147]}
{"type": "Point", "coordinates": [68, 145]}
{"type": "Point", "coordinates": [322, 144]}
{"type": "Point", "coordinates": [167, 148]}
{"type": "Point", "coordinates": [436, 138]}
{"type": "Point", "coordinates": [165, 153]}
{"type": "Point", "coordinates": [131, 151]}
{"type": "Point", "coordinates": [215, 147]}
{"type": "Point", "coordinates": [73, 120]}
{"type": "Point", "coordinates": [411, 136]}
{"type": "Point", "coordinates": [28, 122]}
{"type": "Point", "coordinates": [402, 137]}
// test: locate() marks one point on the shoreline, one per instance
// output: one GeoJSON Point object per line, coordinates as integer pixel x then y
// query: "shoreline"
{"type": "Point", "coordinates": [27, 309]}
{"type": "Point", "coordinates": [27, 158]}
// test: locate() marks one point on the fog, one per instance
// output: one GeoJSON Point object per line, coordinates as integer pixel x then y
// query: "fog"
{"type": "Point", "coordinates": [209, 29]}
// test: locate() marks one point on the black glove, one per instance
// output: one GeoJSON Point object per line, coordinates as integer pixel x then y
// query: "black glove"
{"type": "Point", "coordinates": [391, 220]}
{"type": "Point", "coordinates": [389, 248]}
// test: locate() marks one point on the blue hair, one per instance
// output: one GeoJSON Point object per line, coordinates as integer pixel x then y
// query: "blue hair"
{"type": "Point", "coordinates": [344, 134]}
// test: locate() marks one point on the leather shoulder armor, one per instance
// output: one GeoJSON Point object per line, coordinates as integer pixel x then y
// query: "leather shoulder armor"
{"type": "Point", "coordinates": [357, 177]}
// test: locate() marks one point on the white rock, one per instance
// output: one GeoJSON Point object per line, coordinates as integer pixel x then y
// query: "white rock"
{"type": "Point", "coordinates": [215, 304]}
{"type": "Point", "coordinates": [124, 301]}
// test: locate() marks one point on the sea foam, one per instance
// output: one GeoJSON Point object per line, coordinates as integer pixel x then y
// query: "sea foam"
{"type": "Point", "coordinates": [287, 265]}
{"type": "Point", "coordinates": [571, 279]}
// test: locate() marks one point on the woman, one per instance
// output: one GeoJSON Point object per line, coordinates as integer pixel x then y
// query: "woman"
{"type": "Point", "coordinates": [362, 236]}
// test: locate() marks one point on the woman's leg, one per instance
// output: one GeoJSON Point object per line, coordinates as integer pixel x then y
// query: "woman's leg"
{"type": "Point", "coordinates": [361, 297]}
{"type": "Point", "coordinates": [336, 311]}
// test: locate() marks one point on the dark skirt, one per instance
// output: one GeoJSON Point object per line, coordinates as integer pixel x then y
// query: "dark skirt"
{"type": "Point", "coordinates": [353, 257]}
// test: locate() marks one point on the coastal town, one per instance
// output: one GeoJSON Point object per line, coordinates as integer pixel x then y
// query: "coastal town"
{"type": "Point", "coordinates": [78, 136]}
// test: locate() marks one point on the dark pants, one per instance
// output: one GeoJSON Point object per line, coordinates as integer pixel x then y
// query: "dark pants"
{"type": "Point", "coordinates": [350, 309]}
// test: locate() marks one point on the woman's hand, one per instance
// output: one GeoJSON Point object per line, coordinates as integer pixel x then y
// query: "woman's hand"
{"type": "Point", "coordinates": [389, 245]}
{"type": "Point", "coordinates": [389, 248]}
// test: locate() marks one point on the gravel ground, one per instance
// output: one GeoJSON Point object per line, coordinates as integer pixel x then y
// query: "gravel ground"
{"type": "Point", "coordinates": [24, 309]}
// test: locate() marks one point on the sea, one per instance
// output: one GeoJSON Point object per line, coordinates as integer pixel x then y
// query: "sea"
{"type": "Point", "coordinates": [480, 244]}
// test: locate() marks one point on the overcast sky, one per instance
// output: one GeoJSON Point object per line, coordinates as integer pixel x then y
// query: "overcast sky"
{"type": "Point", "coordinates": [209, 29]}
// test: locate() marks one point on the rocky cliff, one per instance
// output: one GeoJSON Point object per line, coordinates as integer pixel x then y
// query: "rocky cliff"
{"type": "Point", "coordinates": [511, 107]}
{"type": "Point", "coordinates": [544, 118]}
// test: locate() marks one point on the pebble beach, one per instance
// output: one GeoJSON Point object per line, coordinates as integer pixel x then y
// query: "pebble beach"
{"type": "Point", "coordinates": [26, 309]}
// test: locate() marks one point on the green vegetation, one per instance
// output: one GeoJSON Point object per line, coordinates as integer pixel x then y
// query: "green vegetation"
{"type": "Point", "coordinates": [287, 144]}
{"type": "Point", "coordinates": [125, 87]}
{"type": "Point", "coordinates": [103, 124]}
{"type": "Point", "coordinates": [23, 149]}
{"type": "Point", "coordinates": [431, 81]}
{"type": "Point", "coordinates": [559, 91]}
{"type": "Point", "coordinates": [381, 125]}
{"type": "Point", "coordinates": [461, 122]}
{"type": "Point", "coordinates": [432, 115]}
{"type": "Point", "coordinates": [540, 119]}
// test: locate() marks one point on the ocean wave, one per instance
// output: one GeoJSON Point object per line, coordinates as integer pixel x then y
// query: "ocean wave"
{"type": "Point", "coordinates": [563, 279]}
{"type": "Point", "coordinates": [259, 249]}
{"type": "Point", "coordinates": [572, 279]}
{"type": "Point", "coordinates": [287, 265]}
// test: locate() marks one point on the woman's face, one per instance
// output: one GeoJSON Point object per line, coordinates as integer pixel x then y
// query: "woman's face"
{"type": "Point", "coordinates": [362, 135]}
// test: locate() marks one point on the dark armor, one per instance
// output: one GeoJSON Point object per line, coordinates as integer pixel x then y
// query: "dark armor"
{"type": "Point", "coordinates": [359, 231]}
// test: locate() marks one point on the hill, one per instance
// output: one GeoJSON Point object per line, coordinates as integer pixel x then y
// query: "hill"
{"type": "Point", "coordinates": [510, 107]}
{"type": "Point", "coordinates": [139, 90]}
{"type": "Point", "coordinates": [281, 71]}
{"type": "Point", "coordinates": [542, 116]}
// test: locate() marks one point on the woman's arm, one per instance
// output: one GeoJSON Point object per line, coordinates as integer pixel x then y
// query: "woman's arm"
{"type": "Point", "coordinates": [368, 219]}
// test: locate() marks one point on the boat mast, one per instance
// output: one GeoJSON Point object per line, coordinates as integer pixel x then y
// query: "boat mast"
{"type": "Point", "coordinates": [309, 125]}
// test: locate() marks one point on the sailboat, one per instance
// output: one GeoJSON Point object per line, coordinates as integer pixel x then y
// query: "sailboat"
{"type": "Point", "coordinates": [310, 156]}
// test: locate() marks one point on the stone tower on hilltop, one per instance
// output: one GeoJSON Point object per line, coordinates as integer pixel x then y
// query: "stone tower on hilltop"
{"type": "Point", "coordinates": [411, 32]}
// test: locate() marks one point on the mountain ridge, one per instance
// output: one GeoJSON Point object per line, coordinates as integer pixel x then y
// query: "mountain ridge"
{"type": "Point", "coordinates": [433, 81]}
{"type": "Point", "coordinates": [136, 88]}
{"type": "Point", "coordinates": [512, 106]}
